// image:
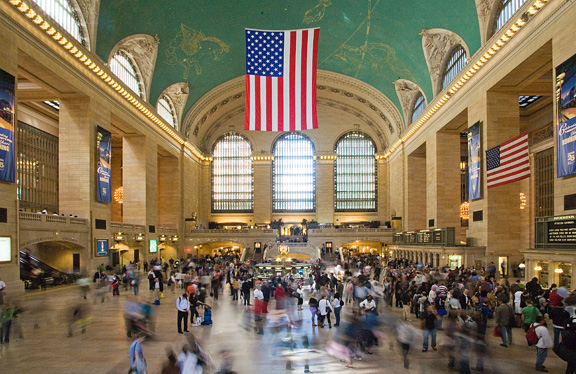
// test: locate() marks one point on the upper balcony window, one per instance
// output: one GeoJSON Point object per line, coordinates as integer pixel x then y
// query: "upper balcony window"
{"type": "Point", "coordinates": [506, 10]}
{"type": "Point", "coordinates": [456, 62]}
{"type": "Point", "coordinates": [63, 13]}
{"type": "Point", "coordinates": [124, 68]}
{"type": "Point", "coordinates": [166, 110]}
{"type": "Point", "coordinates": [419, 106]}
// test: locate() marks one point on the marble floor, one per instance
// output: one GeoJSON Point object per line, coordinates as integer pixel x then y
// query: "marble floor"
{"type": "Point", "coordinates": [103, 348]}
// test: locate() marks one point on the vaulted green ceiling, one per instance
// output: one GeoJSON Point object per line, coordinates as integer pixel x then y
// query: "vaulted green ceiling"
{"type": "Point", "coordinates": [376, 41]}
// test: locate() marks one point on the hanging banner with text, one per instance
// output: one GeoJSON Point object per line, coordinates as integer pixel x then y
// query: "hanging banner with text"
{"type": "Point", "coordinates": [474, 162]}
{"type": "Point", "coordinates": [103, 169]}
{"type": "Point", "coordinates": [566, 129]}
{"type": "Point", "coordinates": [7, 156]}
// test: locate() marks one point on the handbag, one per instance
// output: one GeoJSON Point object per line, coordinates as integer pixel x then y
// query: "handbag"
{"type": "Point", "coordinates": [296, 294]}
{"type": "Point", "coordinates": [497, 332]}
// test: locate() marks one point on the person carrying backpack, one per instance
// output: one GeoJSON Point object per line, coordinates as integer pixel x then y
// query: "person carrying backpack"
{"type": "Point", "coordinates": [542, 344]}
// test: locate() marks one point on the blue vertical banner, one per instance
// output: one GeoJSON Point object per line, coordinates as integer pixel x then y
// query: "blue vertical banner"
{"type": "Point", "coordinates": [474, 162]}
{"type": "Point", "coordinates": [566, 128]}
{"type": "Point", "coordinates": [103, 169]}
{"type": "Point", "coordinates": [101, 247]}
{"type": "Point", "coordinates": [7, 156]}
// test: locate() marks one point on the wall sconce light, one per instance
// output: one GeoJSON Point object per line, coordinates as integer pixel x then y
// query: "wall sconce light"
{"type": "Point", "coordinates": [522, 200]}
{"type": "Point", "coordinates": [522, 265]}
{"type": "Point", "coordinates": [162, 238]}
{"type": "Point", "coordinates": [465, 210]}
{"type": "Point", "coordinates": [139, 237]}
{"type": "Point", "coordinates": [174, 238]}
{"type": "Point", "coordinates": [119, 236]}
{"type": "Point", "coordinates": [119, 195]}
{"type": "Point", "coordinates": [538, 268]}
{"type": "Point", "coordinates": [558, 271]}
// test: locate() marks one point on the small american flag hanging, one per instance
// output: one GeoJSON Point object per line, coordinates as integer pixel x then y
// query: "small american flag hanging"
{"type": "Point", "coordinates": [281, 80]}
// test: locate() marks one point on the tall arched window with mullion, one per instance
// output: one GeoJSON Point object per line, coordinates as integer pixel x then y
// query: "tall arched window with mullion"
{"type": "Point", "coordinates": [166, 110]}
{"type": "Point", "coordinates": [419, 106]}
{"type": "Point", "coordinates": [355, 174]}
{"type": "Point", "coordinates": [506, 10]}
{"type": "Point", "coordinates": [124, 68]}
{"type": "Point", "coordinates": [293, 174]}
{"type": "Point", "coordinates": [456, 62]}
{"type": "Point", "coordinates": [232, 175]}
{"type": "Point", "coordinates": [64, 14]}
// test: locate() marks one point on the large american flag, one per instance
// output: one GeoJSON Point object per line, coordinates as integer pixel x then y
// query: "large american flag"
{"type": "Point", "coordinates": [281, 80]}
{"type": "Point", "coordinates": [508, 162]}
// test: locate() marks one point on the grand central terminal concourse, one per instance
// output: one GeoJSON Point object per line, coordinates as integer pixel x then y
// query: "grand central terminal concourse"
{"type": "Point", "coordinates": [268, 186]}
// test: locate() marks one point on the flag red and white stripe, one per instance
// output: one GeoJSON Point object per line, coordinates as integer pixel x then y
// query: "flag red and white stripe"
{"type": "Point", "coordinates": [281, 80]}
{"type": "Point", "coordinates": [509, 162]}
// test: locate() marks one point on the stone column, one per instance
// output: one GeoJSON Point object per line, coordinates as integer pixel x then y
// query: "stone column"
{"type": "Point", "coordinates": [416, 196]}
{"type": "Point", "coordinates": [140, 176]}
{"type": "Point", "coordinates": [443, 179]}
{"type": "Point", "coordinates": [77, 166]}
{"type": "Point", "coordinates": [169, 192]}
{"type": "Point", "coordinates": [10, 271]}
{"type": "Point", "coordinates": [262, 191]}
{"type": "Point", "coordinates": [325, 190]}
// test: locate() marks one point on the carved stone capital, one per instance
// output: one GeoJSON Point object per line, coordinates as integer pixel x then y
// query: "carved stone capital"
{"type": "Point", "coordinates": [407, 92]}
{"type": "Point", "coordinates": [485, 8]}
{"type": "Point", "coordinates": [437, 44]}
{"type": "Point", "coordinates": [88, 11]}
{"type": "Point", "coordinates": [144, 49]}
{"type": "Point", "coordinates": [178, 93]}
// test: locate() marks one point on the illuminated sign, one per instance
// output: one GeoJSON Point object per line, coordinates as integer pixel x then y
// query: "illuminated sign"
{"type": "Point", "coordinates": [101, 247]}
{"type": "Point", "coordinates": [5, 249]}
{"type": "Point", "coordinates": [153, 246]}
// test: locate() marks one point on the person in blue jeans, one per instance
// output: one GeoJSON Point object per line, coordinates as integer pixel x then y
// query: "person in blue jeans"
{"type": "Point", "coordinates": [430, 318]}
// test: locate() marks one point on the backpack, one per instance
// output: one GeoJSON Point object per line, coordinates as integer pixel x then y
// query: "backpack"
{"type": "Point", "coordinates": [531, 336]}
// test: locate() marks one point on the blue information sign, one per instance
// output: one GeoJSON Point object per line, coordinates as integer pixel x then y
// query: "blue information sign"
{"type": "Point", "coordinates": [101, 247]}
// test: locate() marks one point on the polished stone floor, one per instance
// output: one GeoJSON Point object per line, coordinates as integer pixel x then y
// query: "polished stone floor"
{"type": "Point", "coordinates": [103, 348]}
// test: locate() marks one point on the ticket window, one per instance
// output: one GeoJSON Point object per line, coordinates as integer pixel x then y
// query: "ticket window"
{"type": "Point", "coordinates": [454, 261]}
{"type": "Point", "coordinates": [565, 277]}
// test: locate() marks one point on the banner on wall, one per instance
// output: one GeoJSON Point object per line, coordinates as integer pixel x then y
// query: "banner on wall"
{"type": "Point", "coordinates": [474, 162]}
{"type": "Point", "coordinates": [7, 156]}
{"type": "Point", "coordinates": [103, 169]}
{"type": "Point", "coordinates": [566, 128]}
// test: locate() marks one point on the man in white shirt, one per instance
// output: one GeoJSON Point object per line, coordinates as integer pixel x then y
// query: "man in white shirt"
{"type": "Point", "coordinates": [324, 307]}
{"type": "Point", "coordinates": [183, 306]}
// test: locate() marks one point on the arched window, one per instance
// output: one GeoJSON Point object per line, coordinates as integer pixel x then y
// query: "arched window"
{"type": "Point", "coordinates": [125, 69]}
{"type": "Point", "coordinates": [166, 110]}
{"type": "Point", "coordinates": [419, 106]}
{"type": "Point", "coordinates": [456, 62]}
{"type": "Point", "coordinates": [506, 9]}
{"type": "Point", "coordinates": [63, 13]}
{"type": "Point", "coordinates": [232, 175]}
{"type": "Point", "coordinates": [355, 174]}
{"type": "Point", "coordinates": [293, 174]}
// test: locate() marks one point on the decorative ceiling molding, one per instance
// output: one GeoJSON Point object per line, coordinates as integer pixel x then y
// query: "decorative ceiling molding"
{"type": "Point", "coordinates": [408, 92]}
{"type": "Point", "coordinates": [208, 110]}
{"type": "Point", "coordinates": [437, 45]}
{"type": "Point", "coordinates": [178, 93]}
{"type": "Point", "coordinates": [88, 15]}
{"type": "Point", "coordinates": [143, 49]}
{"type": "Point", "coordinates": [486, 10]}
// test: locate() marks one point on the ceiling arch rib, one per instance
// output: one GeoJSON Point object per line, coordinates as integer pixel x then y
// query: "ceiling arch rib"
{"type": "Point", "coordinates": [143, 49]}
{"type": "Point", "coordinates": [334, 90]}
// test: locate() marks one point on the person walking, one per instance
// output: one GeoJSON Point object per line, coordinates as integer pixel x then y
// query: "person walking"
{"type": "Point", "coordinates": [137, 361]}
{"type": "Point", "coordinates": [337, 306]}
{"type": "Point", "coordinates": [324, 307]}
{"type": "Point", "coordinates": [183, 306]}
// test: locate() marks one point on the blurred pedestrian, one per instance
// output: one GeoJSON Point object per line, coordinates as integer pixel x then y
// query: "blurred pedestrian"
{"type": "Point", "coordinates": [137, 361]}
